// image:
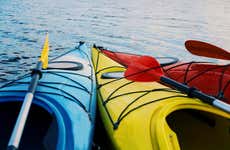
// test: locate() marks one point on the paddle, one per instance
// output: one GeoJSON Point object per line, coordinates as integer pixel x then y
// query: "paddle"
{"type": "Point", "coordinates": [148, 69]}
{"type": "Point", "coordinates": [127, 58]}
{"type": "Point", "coordinates": [207, 50]}
{"type": "Point", "coordinates": [36, 75]}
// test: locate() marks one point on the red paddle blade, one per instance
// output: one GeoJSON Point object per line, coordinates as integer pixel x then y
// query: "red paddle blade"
{"type": "Point", "coordinates": [144, 69]}
{"type": "Point", "coordinates": [207, 50]}
{"type": "Point", "coordinates": [122, 58]}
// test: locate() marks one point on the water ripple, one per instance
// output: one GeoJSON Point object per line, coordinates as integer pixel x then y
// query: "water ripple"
{"type": "Point", "coordinates": [147, 27]}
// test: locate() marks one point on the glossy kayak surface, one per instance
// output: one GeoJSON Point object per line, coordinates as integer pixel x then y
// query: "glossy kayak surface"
{"type": "Point", "coordinates": [210, 78]}
{"type": "Point", "coordinates": [62, 115]}
{"type": "Point", "coordinates": [149, 115]}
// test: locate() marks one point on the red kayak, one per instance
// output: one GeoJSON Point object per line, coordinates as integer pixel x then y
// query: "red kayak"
{"type": "Point", "coordinates": [209, 78]}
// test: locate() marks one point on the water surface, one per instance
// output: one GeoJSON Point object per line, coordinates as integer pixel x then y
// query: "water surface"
{"type": "Point", "coordinates": [157, 28]}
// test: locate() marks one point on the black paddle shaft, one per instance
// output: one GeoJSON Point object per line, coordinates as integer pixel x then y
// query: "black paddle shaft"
{"type": "Point", "coordinates": [193, 92]}
{"type": "Point", "coordinates": [36, 75]}
{"type": "Point", "coordinates": [190, 91]}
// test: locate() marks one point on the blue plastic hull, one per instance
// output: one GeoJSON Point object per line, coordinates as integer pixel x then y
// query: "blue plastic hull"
{"type": "Point", "coordinates": [67, 91]}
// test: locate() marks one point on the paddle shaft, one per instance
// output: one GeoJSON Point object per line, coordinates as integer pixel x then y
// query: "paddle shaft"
{"type": "Point", "coordinates": [22, 117]}
{"type": "Point", "coordinates": [192, 92]}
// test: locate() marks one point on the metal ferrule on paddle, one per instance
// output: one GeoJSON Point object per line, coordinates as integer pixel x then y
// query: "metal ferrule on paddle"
{"type": "Point", "coordinates": [23, 114]}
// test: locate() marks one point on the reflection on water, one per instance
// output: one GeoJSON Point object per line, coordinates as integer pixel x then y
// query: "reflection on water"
{"type": "Point", "coordinates": [157, 28]}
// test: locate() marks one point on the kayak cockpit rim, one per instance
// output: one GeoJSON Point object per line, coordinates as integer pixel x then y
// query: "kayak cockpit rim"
{"type": "Point", "coordinates": [45, 128]}
{"type": "Point", "coordinates": [189, 128]}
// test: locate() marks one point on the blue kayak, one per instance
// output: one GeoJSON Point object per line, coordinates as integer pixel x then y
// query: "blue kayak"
{"type": "Point", "coordinates": [62, 115]}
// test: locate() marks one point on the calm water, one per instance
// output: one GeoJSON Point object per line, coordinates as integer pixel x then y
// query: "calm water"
{"type": "Point", "coordinates": [158, 28]}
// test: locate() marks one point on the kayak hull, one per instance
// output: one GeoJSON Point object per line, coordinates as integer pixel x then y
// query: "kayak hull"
{"type": "Point", "coordinates": [149, 115]}
{"type": "Point", "coordinates": [209, 78]}
{"type": "Point", "coordinates": [67, 93]}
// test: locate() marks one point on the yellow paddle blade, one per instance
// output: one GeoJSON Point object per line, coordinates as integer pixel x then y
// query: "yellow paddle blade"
{"type": "Point", "coordinates": [45, 53]}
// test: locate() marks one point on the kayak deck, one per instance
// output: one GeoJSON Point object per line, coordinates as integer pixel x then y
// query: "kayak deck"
{"type": "Point", "coordinates": [64, 104]}
{"type": "Point", "coordinates": [209, 78]}
{"type": "Point", "coordinates": [149, 115]}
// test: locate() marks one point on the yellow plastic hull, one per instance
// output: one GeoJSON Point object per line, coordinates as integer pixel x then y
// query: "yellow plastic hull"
{"type": "Point", "coordinates": [149, 115]}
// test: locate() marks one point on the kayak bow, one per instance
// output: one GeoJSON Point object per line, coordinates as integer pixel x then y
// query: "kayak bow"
{"type": "Point", "coordinates": [62, 114]}
{"type": "Point", "coordinates": [152, 116]}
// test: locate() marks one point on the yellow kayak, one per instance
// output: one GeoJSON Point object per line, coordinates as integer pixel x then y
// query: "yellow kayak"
{"type": "Point", "coordinates": [152, 116]}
